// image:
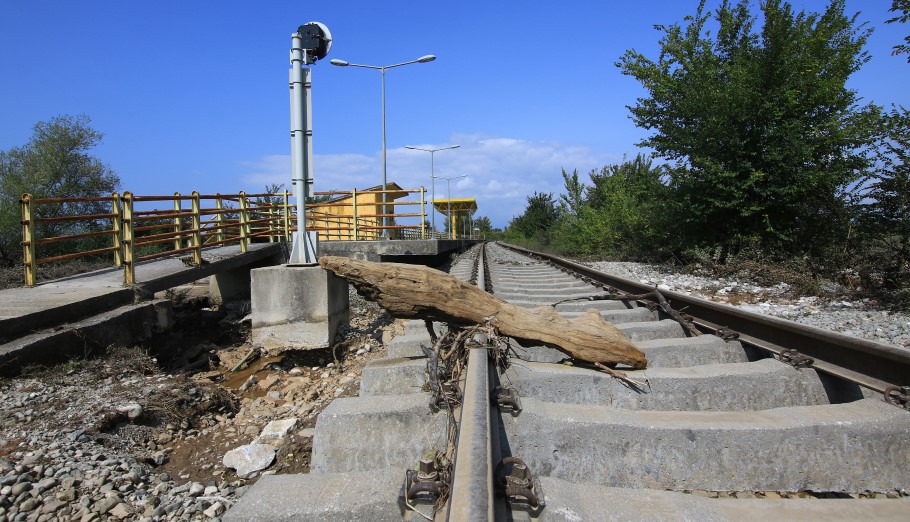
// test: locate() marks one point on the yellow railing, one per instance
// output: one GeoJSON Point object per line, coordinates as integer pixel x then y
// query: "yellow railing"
{"type": "Point", "coordinates": [358, 215]}
{"type": "Point", "coordinates": [139, 230]}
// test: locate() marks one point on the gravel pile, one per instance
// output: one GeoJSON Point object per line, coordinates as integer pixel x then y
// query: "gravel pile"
{"type": "Point", "coordinates": [862, 318]}
{"type": "Point", "coordinates": [119, 438]}
{"type": "Point", "coordinates": [70, 454]}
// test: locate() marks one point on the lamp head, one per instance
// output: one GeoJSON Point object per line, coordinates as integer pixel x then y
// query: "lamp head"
{"type": "Point", "coordinates": [340, 63]}
{"type": "Point", "coordinates": [426, 58]}
{"type": "Point", "coordinates": [316, 38]}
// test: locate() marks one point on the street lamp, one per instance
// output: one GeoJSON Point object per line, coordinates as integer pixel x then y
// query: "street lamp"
{"type": "Point", "coordinates": [310, 43]}
{"type": "Point", "coordinates": [432, 174]}
{"type": "Point", "coordinates": [449, 183]}
{"type": "Point", "coordinates": [382, 69]}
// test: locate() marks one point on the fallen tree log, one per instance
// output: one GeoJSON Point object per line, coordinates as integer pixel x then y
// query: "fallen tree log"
{"type": "Point", "coordinates": [419, 292]}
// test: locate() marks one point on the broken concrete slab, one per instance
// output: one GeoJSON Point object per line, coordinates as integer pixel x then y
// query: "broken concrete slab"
{"type": "Point", "coordinates": [277, 430]}
{"type": "Point", "coordinates": [249, 459]}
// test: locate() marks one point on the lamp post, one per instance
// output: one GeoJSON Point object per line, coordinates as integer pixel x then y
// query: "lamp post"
{"type": "Point", "coordinates": [382, 69]}
{"type": "Point", "coordinates": [433, 175]}
{"type": "Point", "coordinates": [449, 183]}
{"type": "Point", "coordinates": [310, 43]}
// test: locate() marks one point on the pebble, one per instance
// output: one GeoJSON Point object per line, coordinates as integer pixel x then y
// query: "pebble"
{"type": "Point", "coordinates": [29, 505]}
{"type": "Point", "coordinates": [132, 410]}
{"type": "Point", "coordinates": [196, 489]}
{"type": "Point", "coordinates": [214, 510]}
{"type": "Point", "coordinates": [20, 488]}
{"type": "Point", "coordinates": [106, 504]}
{"type": "Point", "coordinates": [121, 511]}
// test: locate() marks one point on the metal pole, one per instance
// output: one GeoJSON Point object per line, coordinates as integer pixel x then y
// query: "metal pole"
{"type": "Point", "coordinates": [423, 216]}
{"type": "Point", "coordinates": [116, 226]}
{"type": "Point", "coordinates": [29, 238]}
{"type": "Point", "coordinates": [433, 177]}
{"type": "Point", "coordinates": [354, 212]}
{"type": "Point", "coordinates": [287, 217]}
{"type": "Point", "coordinates": [385, 223]}
{"type": "Point", "coordinates": [451, 225]}
{"type": "Point", "coordinates": [197, 230]}
{"type": "Point", "coordinates": [129, 268]}
{"type": "Point", "coordinates": [302, 150]}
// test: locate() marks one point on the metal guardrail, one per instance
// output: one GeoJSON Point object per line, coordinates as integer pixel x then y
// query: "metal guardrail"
{"type": "Point", "coordinates": [356, 215]}
{"type": "Point", "coordinates": [137, 229]}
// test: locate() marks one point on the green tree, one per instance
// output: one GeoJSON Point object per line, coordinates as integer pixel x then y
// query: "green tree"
{"type": "Point", "coordinates": [54, 163]}
{"type": "Point", "coordinates": [624, 213]}
{"type": "Point", "coordinates": [763, 131]}
{"type": "Point", "coordinates": [573, 201]}
{"type": "Point", "coordinates": [539, 217]}
{"type": "Point", "coordinates": [902, 7]}
{"type": "Point", "coordinates": [885, 218]}
{"type": "Point", "coordinates": [483, 224]}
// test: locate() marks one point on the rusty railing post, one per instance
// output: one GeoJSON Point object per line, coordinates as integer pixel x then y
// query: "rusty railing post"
{"type": "Point", "coordinates": [354, 213]}
{"type": "Point", "coordinates": [244, 222]}
{"type": "Point", "coordinates": [271, 222]}
{"type": "Point", "coordinates": [117, 229]}
{"type": "Point", "coordinates": [287, 217]}
{"type": "Point", "coordinates": [29, 256]}
{"type": "Point", "coordinates": [423, 216]}
{"type": "Point", "coordinates": [178, 226]}
{"type": "Point", "coordinates": [197, 231]}
{"type": "Point", "coordinates": [129, 268]}
{"type": "Point", "coordinates": [219, 204]}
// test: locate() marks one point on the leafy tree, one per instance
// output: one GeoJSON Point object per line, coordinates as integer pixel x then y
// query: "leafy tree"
{"type": "Point", "coordinates": [902, 7]}
{"type": "Point", "coordinates": [885, 220]}
{"type": "Point", "coordinates": [539, 217]}
{"type": "Point", "coordinates": [573, 201]}
{"type": "Point", "coordinates": [54, 163]}
{"type": "Point", "coordinates": [761, 127]}
{"type": "Point", "coordinates": [483, 224]}
{"type": "Point", "coordinates": [625, 212]}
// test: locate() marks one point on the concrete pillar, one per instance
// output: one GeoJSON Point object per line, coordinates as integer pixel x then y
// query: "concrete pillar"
{"type": "Point", "coordinates": [296, 307]}
{"type": "Point", "coordinates": [230, 285]}
{"type": "Point", "coordinates": [234, 284]}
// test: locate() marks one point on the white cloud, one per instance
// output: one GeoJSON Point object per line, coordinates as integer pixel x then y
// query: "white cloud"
{"type": "Point", "coordinates": [501, 172]}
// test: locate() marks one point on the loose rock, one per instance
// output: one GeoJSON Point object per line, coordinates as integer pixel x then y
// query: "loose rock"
{"type": "Point", "coordinates": [249, 459]}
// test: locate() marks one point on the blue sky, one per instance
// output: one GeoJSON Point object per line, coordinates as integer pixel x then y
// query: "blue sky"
{"type": "Point", "coordinates": [193, 95]}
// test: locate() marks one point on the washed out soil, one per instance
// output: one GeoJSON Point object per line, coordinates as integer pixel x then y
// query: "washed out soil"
{"type": "Point", "coordinates": [201, 390]}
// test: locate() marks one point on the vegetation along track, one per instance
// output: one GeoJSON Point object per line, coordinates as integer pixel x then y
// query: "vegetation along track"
{"type": "Point", "coordinates": [727, 422]}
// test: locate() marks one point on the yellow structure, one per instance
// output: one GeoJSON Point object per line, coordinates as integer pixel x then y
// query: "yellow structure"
{"type": "Point", "coordinates": [464, 206]}
{"type": "Point", "coordinates": [354, 215]}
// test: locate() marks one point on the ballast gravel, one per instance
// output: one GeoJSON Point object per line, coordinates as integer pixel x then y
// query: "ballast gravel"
{"type": "Point", "coordinates": [861, 318]}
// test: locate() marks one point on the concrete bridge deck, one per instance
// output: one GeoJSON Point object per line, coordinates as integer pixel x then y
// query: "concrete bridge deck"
{"type": "Point", "coordinates": [38, 324]}
{"type": "Point", "coordinates": [423, 251]}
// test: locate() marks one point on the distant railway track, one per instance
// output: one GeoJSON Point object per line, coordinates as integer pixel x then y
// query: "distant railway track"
{"type": "Point", "coordinates": [737, 416]}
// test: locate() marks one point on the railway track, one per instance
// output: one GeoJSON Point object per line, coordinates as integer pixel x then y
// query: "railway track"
{"type": "Point", "coordinates": [726, 423]}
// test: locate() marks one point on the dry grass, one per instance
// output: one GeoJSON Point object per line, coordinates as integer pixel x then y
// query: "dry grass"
{"type": "Point", "coordinates": [14, 276]}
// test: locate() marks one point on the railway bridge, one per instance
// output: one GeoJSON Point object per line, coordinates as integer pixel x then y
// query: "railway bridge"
{"type": "Point", "coordinates": [153, 243]}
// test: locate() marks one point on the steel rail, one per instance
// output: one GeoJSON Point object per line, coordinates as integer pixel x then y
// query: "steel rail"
{"type": "Point", "coordinates": [471, 495]}
{"type": "Point", "coordinates": [870, 364]}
